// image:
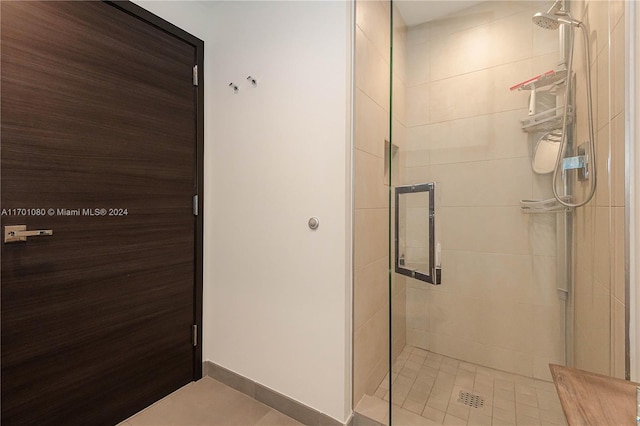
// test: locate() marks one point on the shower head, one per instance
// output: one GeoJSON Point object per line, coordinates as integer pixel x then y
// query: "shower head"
{"type": "Point", "coordinates": [546, 21]}
{"type": "Point", "coordinates": [552, 22]}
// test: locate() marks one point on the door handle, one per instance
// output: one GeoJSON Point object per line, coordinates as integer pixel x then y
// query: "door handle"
{"type": "Point", "coordinates": [15, 233]}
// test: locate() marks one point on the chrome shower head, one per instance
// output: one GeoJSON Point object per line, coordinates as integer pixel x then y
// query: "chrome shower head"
{"type": "Point", "coordinates": [552, 22]}
{"type": "Point", "coordinates": [546, 21]}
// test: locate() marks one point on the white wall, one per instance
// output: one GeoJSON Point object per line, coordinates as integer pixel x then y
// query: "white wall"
{"type": "Point", "coordinates": [277, 296]}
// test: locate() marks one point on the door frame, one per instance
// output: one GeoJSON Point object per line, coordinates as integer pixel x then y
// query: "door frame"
{"type": "Point", "coordinates": [154, 20]}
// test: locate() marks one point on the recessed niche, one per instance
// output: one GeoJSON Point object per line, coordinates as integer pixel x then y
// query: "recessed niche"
{"type": "Point", "coordinates": [390, 160]}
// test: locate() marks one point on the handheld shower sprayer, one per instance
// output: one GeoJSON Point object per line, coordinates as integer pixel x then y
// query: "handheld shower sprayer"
{"type": "Point", "coordinates": [551, 21]}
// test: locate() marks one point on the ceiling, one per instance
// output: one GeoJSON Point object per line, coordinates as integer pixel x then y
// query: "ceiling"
{"type": "Point", "coordinates": [418, 11]}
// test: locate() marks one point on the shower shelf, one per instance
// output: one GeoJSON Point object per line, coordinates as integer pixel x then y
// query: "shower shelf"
{"type": "Point", "coordinates": [550, 205]}
{"type": "Point", "coordinates": [542, 80]}
{"type": "Point", "coordinates": [550, 119]}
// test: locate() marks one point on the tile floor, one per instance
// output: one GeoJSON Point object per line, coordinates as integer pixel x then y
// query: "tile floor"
{"type": "Point", "coordinates": [426, 388]}
{"type": "Point", "coordinates": [209, 402]}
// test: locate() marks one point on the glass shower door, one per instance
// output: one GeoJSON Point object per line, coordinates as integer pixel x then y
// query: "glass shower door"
{"type": "Point", "coordinates": [474, 349]}
{"type": "Point", "coordinates": [522, 283]}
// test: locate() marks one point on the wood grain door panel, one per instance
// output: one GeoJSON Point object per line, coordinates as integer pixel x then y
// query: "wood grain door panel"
{"type": "Point", "coordinates": [98, 112]}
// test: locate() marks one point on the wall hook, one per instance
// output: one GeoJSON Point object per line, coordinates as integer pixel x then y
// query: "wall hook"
{"type": "Point", "coordinates": [235, 88]}
{"type": "Point", "coordinates": [253, 81]}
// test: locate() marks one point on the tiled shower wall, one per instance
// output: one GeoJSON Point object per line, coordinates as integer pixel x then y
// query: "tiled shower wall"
{"type": "Point", "coordinates": [371, 281]}
{"type": "Point", "coordinates": [599, 227]}
{"type": "Point", "coordinates": [498, 305]}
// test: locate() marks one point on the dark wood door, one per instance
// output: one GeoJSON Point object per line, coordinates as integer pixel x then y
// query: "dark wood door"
{"type": "Point", "coordinates": [98, 144]}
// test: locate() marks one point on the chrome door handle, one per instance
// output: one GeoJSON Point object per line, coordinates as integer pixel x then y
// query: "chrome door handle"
{"type": "Point", "coordinates": [15, 233]}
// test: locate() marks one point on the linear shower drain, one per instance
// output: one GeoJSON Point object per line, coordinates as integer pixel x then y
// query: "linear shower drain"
{"type": "Point", "coordinates": [470, 399]}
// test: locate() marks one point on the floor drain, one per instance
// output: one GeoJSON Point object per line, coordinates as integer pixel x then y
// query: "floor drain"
{"type": "Point", "coordinates": [470, 399]}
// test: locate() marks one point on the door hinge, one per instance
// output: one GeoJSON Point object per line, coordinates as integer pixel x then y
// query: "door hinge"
{"type": "Point", "coordinates": [194, 335]}
{"type": "Point", "coordinates": [195, 75]}
{"type": "Point", "coordinates": [195, 205]}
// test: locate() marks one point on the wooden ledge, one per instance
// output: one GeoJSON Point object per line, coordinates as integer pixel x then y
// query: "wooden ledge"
{"type": "Point", "coordinates": [593, 399]}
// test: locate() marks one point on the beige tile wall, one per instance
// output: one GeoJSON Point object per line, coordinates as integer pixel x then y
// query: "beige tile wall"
{"type": "Point", "coordinates": [371, 288]}
{"type": "Point", "coordinates": [498, 305]}
{"type": "Point", "coordinates": [501, 308]}
{"type": "Point", "coordinates": [599, 228]}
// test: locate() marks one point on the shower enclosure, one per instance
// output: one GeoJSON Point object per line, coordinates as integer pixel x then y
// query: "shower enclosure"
{"type": "Point", "coordinates": [470, 277]}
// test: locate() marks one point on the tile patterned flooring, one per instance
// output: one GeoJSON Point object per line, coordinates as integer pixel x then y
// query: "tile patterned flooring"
{"type": "Point", "coordinates": [209, 402]}
{"type": "Point", "coordinates": [426, 388]}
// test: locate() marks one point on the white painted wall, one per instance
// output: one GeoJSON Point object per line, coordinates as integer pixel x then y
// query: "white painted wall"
{"type": "Point", "coordinates": [277, 296]}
